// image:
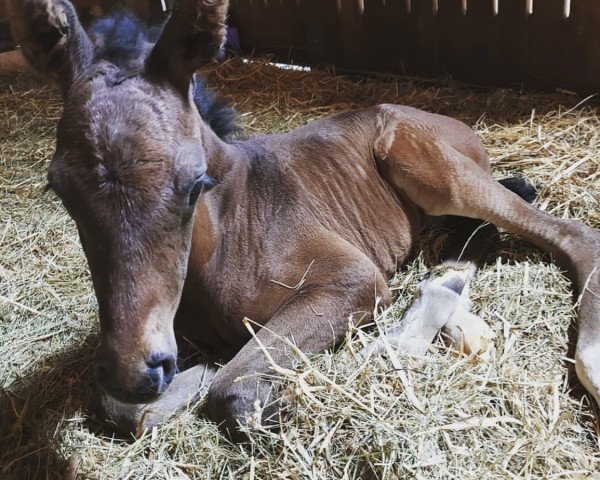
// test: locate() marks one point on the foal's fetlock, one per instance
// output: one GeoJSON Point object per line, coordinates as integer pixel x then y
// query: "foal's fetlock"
{"type": "Point", "coordinates": [456, 278]}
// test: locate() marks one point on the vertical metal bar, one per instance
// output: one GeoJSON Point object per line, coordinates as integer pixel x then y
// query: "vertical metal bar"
{"type": "Point", "coordinates": [361, 6]}
{"type": "Point", "coordinates": [464, 7]}
{"type": "Point", "coordinates": [408, 6]}
{"type": "Point", "coordinates": [529, 7]}
{"type": "Point", "coordinates": [435, 6]}
{"type": "Point", "coordinates": [567, 9]}
{"type": "Point", "coordinates": [495, 7]}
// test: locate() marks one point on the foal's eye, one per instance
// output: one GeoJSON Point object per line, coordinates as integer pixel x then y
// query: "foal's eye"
{"type": "Point", "coordinates": [201, 182]}
{"type": "Point", "coordinates": [195, 193]}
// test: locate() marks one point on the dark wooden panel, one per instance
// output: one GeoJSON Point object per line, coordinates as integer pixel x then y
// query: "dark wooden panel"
{"type": "Point", "coordinates": [485, 60]}
{"type": "Point", "coordinates": [481, 45]}
{"type": "Point", "coordinates": [565, 51]}
{"type": "Point", "coordinates": [375, 36]}
{"type": "Point", "coordinates": [421, 43]}
{"type": "Point", "coordinates": [451, 36]}
{"type": "Point", "coordinates": [473, 43]}
{"type": "Point", "coordinates": [323, 32]}
{"type": "Point", "coordinates": [511, 37]}
{"type": "Point", "coordinates": [275, 26]}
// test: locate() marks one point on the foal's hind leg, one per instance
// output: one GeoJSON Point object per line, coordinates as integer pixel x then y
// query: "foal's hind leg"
{"type": "Point", "coordinates": [442, 303]}
{"type": "Point", "coordinates": [442, 180]}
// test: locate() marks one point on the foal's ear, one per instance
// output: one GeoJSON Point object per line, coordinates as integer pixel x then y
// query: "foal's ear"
{"type": "Point", "coordinates": [51, 37]}
{"type": "Point", "coordinates": [192, 37]}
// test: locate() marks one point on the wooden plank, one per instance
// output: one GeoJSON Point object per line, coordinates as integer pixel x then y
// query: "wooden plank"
{"type": "Point", "coordinates": [278, 26]}
{"type": "Point", "coordinates": [421, 43]}
{"type": "Point", "coordinates": [483, 59]}
{"type": "Point", "coordinates": [476, 44]}
{"type": "Point", "coordinates": [512, 31]}
{"type": "Point", "coordinates": [392, 37]}
{"type": "Point", "coordinates": [494, 44]}
{"type": "Point", "coordinates": [451, 37]}
{"type": "Point", "coordinates": [565, 51]}
{"type": "Point", "coordinates": [322, 29]}
{"type": "Point", "coordinates": [354, 41]}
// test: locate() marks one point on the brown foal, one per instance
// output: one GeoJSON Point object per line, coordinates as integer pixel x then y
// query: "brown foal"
{"type": "Point", "coordinates": [300, 231]}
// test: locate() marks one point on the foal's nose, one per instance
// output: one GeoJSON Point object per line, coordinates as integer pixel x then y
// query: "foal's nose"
{"type": "Point", "coordinates": [160, 372]}
{"type": "Point", "coordinates": [139, 383]}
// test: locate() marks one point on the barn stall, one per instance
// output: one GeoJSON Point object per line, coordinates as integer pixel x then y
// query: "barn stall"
{"type": "Point", "coordinates": [521, 74]}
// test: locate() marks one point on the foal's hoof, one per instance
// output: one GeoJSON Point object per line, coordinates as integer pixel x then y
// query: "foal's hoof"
{"type": "Point", "coordinates": [469, 334]}
{"type": "Point", "coordinates": [240, 406]}
{"type": "Point", "coordinates": [464, 331]}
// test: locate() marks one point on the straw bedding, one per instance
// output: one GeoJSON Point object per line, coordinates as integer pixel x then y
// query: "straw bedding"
{"type": "Point", "coordinates": [521, 415]}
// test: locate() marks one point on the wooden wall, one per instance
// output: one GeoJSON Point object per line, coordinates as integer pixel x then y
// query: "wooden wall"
{"type": "Point", "coordinates": [495, 42]}
{"type": "Point", "coordinates": [482, 41]}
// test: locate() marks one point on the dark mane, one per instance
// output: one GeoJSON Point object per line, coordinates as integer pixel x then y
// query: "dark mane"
{"type": "Point", "coordinates": [124, 40]}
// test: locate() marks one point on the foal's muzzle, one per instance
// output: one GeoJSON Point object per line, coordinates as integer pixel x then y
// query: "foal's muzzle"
{"type": "Point", "coordinates": [143, 386]}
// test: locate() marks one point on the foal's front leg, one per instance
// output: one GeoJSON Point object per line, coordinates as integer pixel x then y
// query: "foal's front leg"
{"type": "Point", "coordinates": [341, 281]}
{"type": "Point", "coordinates": [186, 387]}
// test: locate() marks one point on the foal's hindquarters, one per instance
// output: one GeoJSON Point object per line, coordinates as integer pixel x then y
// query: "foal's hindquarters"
{"type": "Point", "coordinates": [413, 162]}
{"type": "Point", "coordinates": [435, 166]}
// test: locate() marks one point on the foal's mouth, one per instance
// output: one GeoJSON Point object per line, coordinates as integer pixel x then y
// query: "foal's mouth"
{"type": "Point", "coordinates": [147, 389]}
{"type": "Point", "coordinates": [141, 395]}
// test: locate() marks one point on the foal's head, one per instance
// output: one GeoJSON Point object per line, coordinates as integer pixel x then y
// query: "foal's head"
{"type": "Point", "coordinates": [129, 167]}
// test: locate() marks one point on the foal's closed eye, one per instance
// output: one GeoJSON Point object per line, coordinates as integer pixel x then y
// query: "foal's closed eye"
{"type": "Point", "coordinates": [202, 182]}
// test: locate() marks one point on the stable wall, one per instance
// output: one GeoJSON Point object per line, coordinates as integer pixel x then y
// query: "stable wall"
{"type": "Point", "coordinates": [538, 42]}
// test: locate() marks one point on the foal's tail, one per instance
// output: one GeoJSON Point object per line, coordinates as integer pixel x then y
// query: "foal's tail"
{"type": "Point", "coordinates": [469, 239]}
{"type": "Point", "coordinates": [521, 187]}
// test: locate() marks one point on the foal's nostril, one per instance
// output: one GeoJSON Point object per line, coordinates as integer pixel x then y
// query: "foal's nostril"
{"type": "Point", "coordinates": [162, 363]}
